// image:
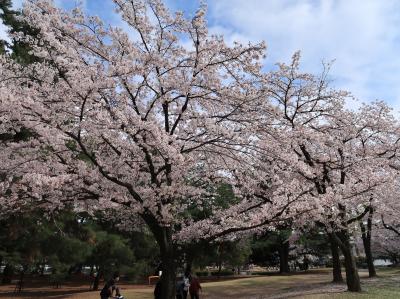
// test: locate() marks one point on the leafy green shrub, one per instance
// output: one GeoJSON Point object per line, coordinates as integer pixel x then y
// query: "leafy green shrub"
{"type": "Point", "coordinates": [136, 271]}
{"type": "Point", "coordinates": [202, 273]}
{"type": "Point", "coordinates": [222, 273]}
{"type": "Point", "coordinates": [261, 273]}
{"type": "Point", "coordinates": [361, 262]}
{"type": "Point", "coordinates": [329, 263]}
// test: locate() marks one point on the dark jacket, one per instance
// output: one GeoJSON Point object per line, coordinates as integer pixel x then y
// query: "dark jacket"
{"type": "Point", "coordinates": [179, 290]}
{"type": "Point", "coordinates": [108, 288]}
{"type": "Point", "coordinates": [157, 290]}
{"type": "Point", "coordinates": [194, 286]}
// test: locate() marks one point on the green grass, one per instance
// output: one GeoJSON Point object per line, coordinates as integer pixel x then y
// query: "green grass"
{"type": "Point", "coordinates": [387, 286]}
{"type": "Point", "coordinates": [369, 293]}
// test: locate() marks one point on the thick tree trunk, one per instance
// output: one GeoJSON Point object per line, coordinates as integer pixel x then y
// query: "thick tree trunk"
{"type": "Point", "coordinates": [219, 261]}
{"type": "Point", "coordinates": [395, 260]}
{"type": "Point", "coordinates": [284, 257]}
{"type": "Point", "coordinates": [163, 236]}
{"type": "Point", "coordinates": [306, 265]}
{"type": "Point", "coordinates": [366, 237]}
{"type": "Point", "coordinates": [337, 269]}
{"type": "Point", "coordinates": [352, 277]}
{"type": "Point", "coordinates": [219, 268]}
{"type": "Point", "coordinates": [168, 277]}
{"type": "Point", "coordinates": [42, 268]}
{"type": "Point", "coordinates": [368, 252]}
{"type": "Point", "coordinates": [189, 263]}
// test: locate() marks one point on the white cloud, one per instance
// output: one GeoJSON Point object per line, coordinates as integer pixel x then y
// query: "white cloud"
{"type": "Point", "coordinates": [363, 36]}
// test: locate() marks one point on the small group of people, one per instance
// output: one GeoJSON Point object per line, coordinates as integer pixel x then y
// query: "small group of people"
{"type": "Point", "coordinates": [109, 288]}
{"type": "Point", "coordinates": [187, 284]}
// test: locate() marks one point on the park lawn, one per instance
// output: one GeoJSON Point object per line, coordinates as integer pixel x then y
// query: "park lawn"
{"type": "Point", "coordinates": [252, 287]}
{"type": "Point", "coordinates": [256, 287]}
{"type": "Point", "coordinates": [386, 286]}
{"type": "Point", "coordinates": [263, 286]}
{"type": "Point", "coordinates": [314, 284]}
{"type": "Point", "coordinates": [369, 292]}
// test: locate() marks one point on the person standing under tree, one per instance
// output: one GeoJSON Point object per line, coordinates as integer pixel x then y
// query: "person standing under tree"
{"type": "Point", "coordinates": [194, 287]}
{"type": "Point", "coordinates": [186, 284]}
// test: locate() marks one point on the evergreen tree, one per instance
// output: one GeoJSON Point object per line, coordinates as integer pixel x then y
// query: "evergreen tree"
{"type": "Point", "coordinates": [18, 49]}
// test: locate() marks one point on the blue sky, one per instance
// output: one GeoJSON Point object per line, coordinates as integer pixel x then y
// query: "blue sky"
{"type": "Point", "coordinates": [362, 36]}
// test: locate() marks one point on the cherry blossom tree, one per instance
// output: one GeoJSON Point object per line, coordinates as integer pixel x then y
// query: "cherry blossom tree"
{"type": "Point", "coordinates": [342, 155]}
{"type": "Point", "coordinates": [322, 160]}
{"type": "Point", "coordinates": [145, 123]}
{"type": "Point", "coordinates": [126, 123]}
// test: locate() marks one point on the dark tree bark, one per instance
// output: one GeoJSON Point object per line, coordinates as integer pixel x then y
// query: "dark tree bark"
{"type": "Point", "coordinates": [219, 262]}
{"type": "Point", "coordinates": [189, 263]}
{"type": "Point", "coordinates": [394, 257]}
{"type": "Point", "coordinates": [352, 277]}
{"type": "Point", "coordinates": [366, 237]}
{"type": "Point", "coordinates": [342, 238]}
{"type": "Point", "coordinates": [390, 227]}
{"type": "Point", "coordinates": [168, 276]}
{"type": "Point", "coordinates": [163, 236]}
{"type": "Point", "coordinates": [284, 257]}
{"type": "Point", "coordinates": [337, 269]}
